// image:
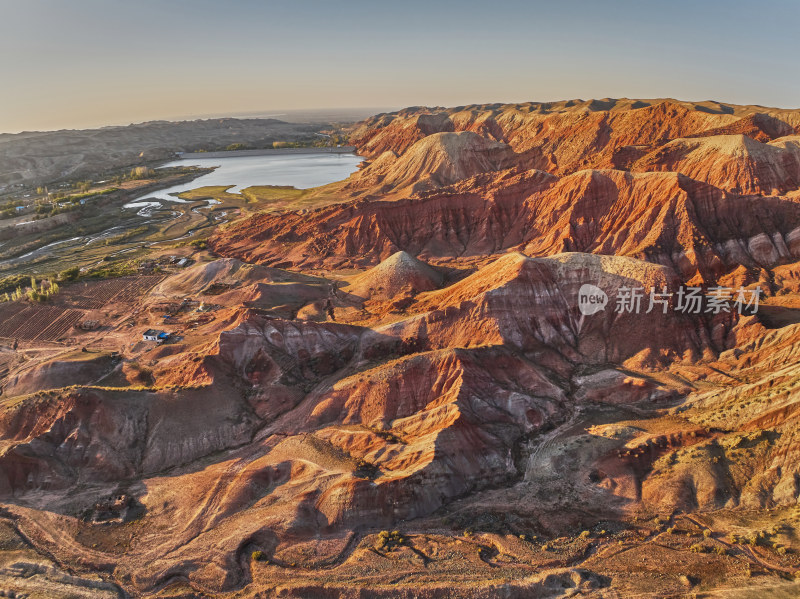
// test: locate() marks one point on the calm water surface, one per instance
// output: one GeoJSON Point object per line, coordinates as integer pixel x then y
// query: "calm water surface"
{"type": "Point", "coordinates": [298, 170]}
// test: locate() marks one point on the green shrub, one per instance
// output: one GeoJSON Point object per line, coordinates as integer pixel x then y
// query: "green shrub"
{"type": "Point", "coordinates": [387, 541]}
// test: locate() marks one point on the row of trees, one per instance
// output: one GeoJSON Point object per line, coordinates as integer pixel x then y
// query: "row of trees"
{"type": "Point", "coordinates": [38, 292]}
{"type": "Point", "coordinates": [82, 186]}
{"type": "Point", "coordinates": [137, 172]}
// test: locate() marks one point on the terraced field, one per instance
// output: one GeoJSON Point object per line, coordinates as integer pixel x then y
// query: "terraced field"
{"type": "Point", "coordinates": [50, 322]}
{"type": "Point", "coordinates": [37, 322]}
{"type": "Point", "coordinates": [91, 295]}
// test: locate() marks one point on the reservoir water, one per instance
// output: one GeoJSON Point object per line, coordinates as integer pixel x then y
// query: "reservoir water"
{"type": "Point", "coordinates": [298, 170]}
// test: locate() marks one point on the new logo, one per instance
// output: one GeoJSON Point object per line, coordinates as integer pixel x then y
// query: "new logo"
{"type": "Point", "coordinates": [591, 299]}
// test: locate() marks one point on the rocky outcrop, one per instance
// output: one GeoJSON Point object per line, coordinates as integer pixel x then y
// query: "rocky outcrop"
{"type": "Point", "coordinates": [218, 276]}
{"type": "Point", "coordinates": [665, 218]}
{"type": "Point", "coordinates": [389, 134]}
{"type": "Point", "coordinates": [560, 139]}
{"type": "Point", "coordinates": [531, 304]}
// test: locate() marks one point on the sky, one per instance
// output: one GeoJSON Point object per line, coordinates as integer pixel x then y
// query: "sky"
{"type": "Point", "coordinates": [90, 63]}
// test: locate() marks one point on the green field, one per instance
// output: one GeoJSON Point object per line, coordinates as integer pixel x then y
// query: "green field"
{"type": "Point", "coordinates": [265, 198]}
{"type": "Point", "coordinates": [101, 238]}
{"type": "Point", "coordinates": [100, 231]}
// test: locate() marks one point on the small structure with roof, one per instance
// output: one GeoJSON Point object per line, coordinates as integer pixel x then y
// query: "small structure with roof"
{"type": "Point", "coordinates": [155, 335]}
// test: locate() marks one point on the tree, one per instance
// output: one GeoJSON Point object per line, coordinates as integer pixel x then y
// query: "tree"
{"type": "Point", "coordinates": [70, 274]}
{"type": "Point", "coordinates": [140, 172]}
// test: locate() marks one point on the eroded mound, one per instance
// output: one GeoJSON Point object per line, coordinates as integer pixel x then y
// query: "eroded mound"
{"type": "Point", "coordinates": [399, 273]}
{"type": "Point", "coordinates": [222, 275]}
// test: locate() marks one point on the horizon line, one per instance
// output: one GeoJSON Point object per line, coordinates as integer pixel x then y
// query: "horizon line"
{"type": "Point", "coordinates": [372, 111]}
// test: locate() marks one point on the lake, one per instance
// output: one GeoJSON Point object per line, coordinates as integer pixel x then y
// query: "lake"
{"type": "Point", "coordinates": [298, 170]}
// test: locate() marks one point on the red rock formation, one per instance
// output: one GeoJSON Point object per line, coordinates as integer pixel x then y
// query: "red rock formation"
{"type": "Point", "coordinates": [667, 218]}
{"type": "Point", "coordinates": [465, 219]}
{"type": "Point", "coordinates": [91, 435]}
{"type": "Point", "coordinates": [566, 140]}
{"type": "Point", "coordinates": [699, 221]}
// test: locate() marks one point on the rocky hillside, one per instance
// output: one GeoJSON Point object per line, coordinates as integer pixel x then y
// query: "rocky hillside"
{"type": "Point", "coordinates": [480, 180]}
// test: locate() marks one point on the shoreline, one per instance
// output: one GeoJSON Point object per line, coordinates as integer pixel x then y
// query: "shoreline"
{"type": "Point", "coordinates": [266, 152]}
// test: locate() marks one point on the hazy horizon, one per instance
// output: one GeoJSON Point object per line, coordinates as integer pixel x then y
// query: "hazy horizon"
{"type": "Point", "coordinates": [93, 63]}
{"type": "Point", "coordinates": [344, 114]}
{"type": "Point", "coordinates": [322, 115]}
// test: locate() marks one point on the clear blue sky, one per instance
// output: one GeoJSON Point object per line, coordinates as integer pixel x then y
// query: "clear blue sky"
{"type": "Point", "coordinates": [78, 63]}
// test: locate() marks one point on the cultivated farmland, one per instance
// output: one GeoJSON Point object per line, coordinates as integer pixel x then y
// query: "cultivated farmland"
{"type": "Point", "coordinates": [91, 295]}
{"type": "Point", "coordinates": [53, 321]}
